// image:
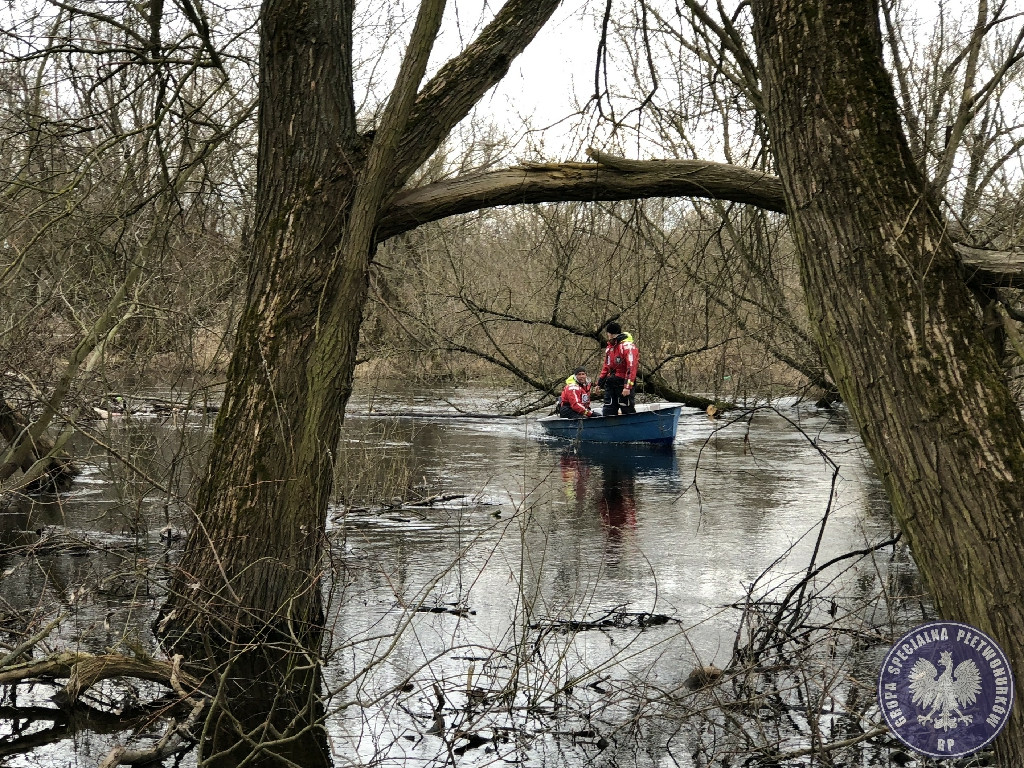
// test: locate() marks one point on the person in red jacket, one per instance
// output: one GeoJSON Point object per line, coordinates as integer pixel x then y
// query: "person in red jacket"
{"type": "Point", "coordinates": [618, 375]}
{"type": "Point", "coordinates": [574, 402]}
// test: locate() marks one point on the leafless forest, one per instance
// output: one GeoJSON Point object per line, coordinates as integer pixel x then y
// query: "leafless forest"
{"type": "Point", "coordinates": [163, 224]}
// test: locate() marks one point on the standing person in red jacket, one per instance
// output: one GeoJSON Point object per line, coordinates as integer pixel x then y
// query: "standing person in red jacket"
{"type": "Point", "coordinates": [618, 375]}
{"type": "Point", "coordinates": [574, 402]}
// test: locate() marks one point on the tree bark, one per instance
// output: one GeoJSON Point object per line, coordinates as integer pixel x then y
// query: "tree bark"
{"type": "Point", "coordinates": [252, 556]}
{"type": "Point", "coordinates": [896, 323]}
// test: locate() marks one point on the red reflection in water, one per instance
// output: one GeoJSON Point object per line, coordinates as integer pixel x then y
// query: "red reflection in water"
{"type": "Point", "coordinates": [575, 474]}
{"type": "Point", "coordinates": [617, 502]}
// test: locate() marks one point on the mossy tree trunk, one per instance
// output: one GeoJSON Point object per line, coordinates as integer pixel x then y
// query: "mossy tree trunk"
{"type": "Point", "coordinates": [897, 326]}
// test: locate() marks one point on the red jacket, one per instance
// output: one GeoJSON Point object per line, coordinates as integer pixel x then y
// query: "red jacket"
{"type": "Point", "coordinates": [621, 358]}
{"type": "Point", "coordinates": [576, 395]}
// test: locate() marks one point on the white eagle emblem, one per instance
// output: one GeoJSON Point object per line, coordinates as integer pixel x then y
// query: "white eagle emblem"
{"type": "Point", "coordinates": [947, 693]}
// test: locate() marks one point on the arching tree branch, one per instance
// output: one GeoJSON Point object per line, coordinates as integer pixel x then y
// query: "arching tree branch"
{"type": "Point", "coordinates": [559, 182]}
{"type": "Point", "coordinates": [616, 178]}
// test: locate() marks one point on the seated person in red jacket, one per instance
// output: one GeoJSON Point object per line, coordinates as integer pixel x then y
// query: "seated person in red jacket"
{"type": "Point", "coordinates": [618, 375]}
{"type": "Point", "coordinates": [574, 402]}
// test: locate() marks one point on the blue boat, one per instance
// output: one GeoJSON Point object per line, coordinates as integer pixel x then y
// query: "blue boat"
{"type": "Point", "coordinates": [653, 423]}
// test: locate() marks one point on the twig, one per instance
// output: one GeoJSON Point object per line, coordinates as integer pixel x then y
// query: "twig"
{"type": "Point", "coordinates": [174, 739]}
{"type": "Point", "coordinates": [826, 748]}
{"type": "Point", "coordinates": [19, 650]}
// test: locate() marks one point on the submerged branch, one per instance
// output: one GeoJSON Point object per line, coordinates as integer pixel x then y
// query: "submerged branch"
{"type": "Point", "coordinates": [20, 650]}
{"type": "Point", "coordinates": [176, 738]}
{"type": "Point", "coordinates": [83, 670]}
{"type": "Point", "coordinates": [819, 749]}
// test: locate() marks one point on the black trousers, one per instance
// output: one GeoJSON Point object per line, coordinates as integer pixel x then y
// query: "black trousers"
{"type": "Point", "coordinates": [614, 400]}
{"type": "Point", "coordinates": [566, 412]}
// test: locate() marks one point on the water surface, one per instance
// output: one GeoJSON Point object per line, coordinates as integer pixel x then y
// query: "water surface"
{"type": "Point", "coordinates": [558, 597]}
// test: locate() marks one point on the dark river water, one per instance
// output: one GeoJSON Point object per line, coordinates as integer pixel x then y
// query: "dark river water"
{"type": "Point", "coordinates": [555, 599]}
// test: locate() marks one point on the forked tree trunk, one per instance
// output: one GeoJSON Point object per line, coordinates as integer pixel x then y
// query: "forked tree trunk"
{"type": "Point", "coordinates": [896, 324]}
{"type": "Point", "coordinates": [251, 563]}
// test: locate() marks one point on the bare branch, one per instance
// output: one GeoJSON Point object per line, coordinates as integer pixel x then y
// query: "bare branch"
{"type": "Point", "coordinates": [609, 179]}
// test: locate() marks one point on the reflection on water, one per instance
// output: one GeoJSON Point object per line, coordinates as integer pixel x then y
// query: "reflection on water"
{"type": "Point", "coordinates": [614, 493]}
{"type": "Point", "coordinates": [617, 502]}
{"type": "Point", "coordinates": [490, 582]}
{"type": "Point", "coordinates": [594, 539]}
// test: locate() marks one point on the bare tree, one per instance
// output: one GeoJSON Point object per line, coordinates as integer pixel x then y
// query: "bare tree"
{"type": "Point", "coordinates": [120, 173]}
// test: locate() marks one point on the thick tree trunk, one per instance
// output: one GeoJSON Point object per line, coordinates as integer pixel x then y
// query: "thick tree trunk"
{"type": "Point", "coordinates": [896, 324]}
{"type": "Point", "coordinates": [251, 562]}
{"type": "Point", "coordinates": [252, 558]}
{"type": "Point", "coordinates": [246, 598]}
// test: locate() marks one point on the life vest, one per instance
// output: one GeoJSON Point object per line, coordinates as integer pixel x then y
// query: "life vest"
{"type": "Point", "coordinates": [575, 395]}
{"type": "Point", "coordinates": [621, 359]}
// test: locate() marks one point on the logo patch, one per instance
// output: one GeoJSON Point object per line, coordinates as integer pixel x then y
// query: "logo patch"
{"type": "Point", "coordinates": [945, 689]}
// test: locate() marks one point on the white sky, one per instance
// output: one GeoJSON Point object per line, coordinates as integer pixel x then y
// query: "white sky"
{"type": "Point", "coordinates": [545, 83]}
{"type": "Point", "coordinates": [556, 71]}
{"type": "Point", "coordinates": [554, 74]}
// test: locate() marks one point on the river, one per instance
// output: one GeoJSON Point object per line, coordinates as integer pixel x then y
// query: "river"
{"type": "Point", "coordinates": [499, 597]}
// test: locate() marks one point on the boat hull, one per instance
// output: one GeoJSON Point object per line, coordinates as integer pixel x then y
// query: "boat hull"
{"type": "Point", "coordinates": [654, 423]}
